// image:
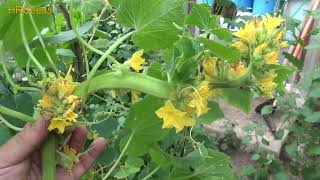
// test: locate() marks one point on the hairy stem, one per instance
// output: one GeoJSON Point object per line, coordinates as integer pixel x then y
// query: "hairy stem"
{"type": "Point", "coordinates": [120, 156]}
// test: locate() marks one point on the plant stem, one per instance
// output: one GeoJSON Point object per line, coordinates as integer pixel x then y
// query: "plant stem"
{"type": "Point", "coordinates": [76, 46]}
{"type": "Point", "coordinates": [151, 173]}
{"type": "Point", "coordinates": [87, 45]}
{"type": "Point", "coordinates": [5, 122]}
{"type": "Point", "coordinates": [16, 114]}
{"type": "Point", "coordinates": [126, 80]}
{"type": "Point", "coordinates": [27, 47]}
{"type": "Point", "coordinates": [43, 45]}
{"type": "Point", "coordinates": [48, 158]}
{"type": "Point", "coordinates": [98, 20]}
{"type": "Point", "coordinates": [119, 158]}
{"type": "Point", "coordinates": [108, 52]}
{"type": "Point", "coordinates": [8, 77]}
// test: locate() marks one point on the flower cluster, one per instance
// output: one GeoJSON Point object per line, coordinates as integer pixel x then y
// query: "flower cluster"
{"type": "Point", "coordinates": [196, 105]}
{"type": "Point", "coordinates": [260, 43]}
{"type": "Point", "coordinates": [59, 103]}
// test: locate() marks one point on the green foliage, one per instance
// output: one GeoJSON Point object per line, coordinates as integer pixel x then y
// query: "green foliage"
{"type": "Point", "coordinates": [213, 114]}
{"type": "Point", "coordinates": [153, 20]}
{"type": "Point", "coordinates": [201, 17]}
{"type": "Point", "coordinates": [240, 98]}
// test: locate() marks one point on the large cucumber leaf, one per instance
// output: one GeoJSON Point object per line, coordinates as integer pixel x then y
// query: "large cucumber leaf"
{"type": "Point", "coordinates": [152, 19]}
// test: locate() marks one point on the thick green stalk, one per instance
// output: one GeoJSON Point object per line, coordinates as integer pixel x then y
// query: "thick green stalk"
{"type": "Point", "coordinates": [126, 80]}
{"type": "Point", "coordinates": [48, 158]}
{"type": "Point", "coordinates": [120, 156]}
{"type": "Point", "coordinates": [108, 52]}
{"type": "Point", "coordinates": [16, 114]}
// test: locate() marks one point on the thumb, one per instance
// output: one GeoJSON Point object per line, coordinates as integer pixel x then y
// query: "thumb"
{"type": "Point", "coordinates": [24, 143]}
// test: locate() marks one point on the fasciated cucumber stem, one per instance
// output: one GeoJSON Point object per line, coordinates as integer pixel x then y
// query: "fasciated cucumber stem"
{"type": "Point", "coordinates": [126, 80]}
{"type": "Point", "coordinates": [48, 158]}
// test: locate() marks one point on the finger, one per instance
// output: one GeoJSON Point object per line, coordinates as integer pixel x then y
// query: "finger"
{"type": "Point", "coordinates": [24, 143]}
{"type": "Point", "coordinates": [78, 138]}
{"type": "Point", "coordinates": [86, 160]}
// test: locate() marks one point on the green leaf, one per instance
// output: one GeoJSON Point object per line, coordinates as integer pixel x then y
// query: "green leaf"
{"type": "Point", "coordinates": [154, 70]}
{"type": "Point", "coordinates": [5, 134]}
{"type": "Point", "coordinates": [213, 114]}
{"type": "Point", "coordinates": [283, 73]}
{"type": "Point", "coordinates": [314, 117]}
{"type": "Point", "coordinates": [247, 170]}
{"type": "Point", "coordinates": [294, 60]}
{"type": "Point", "coordinates": [201, 17]}
{"type": "Point", "coordinates": [10, 25]}
{"type": "Point", "coordinates": [265, 142]}
{"type": "Point", "coordinates": [159, 156]}
{"type": "Point", "coordinates": [207, 164]}
{"type": "Point", "coordinates": [66, 36]}
{"type": "Point", "coordinates": [65, 53]}
{"type": "Point", "coordinates": [39, 2]}
{"type": "Point", "coordinates": [147, 127]}
{"type": "Point", "coordinates": [279, 134]}
{"type": "Point", "coordinates": [106, 128]}
{"type": "Point", "coordinates": [153, 20]}
{"type": "Point", "coordinates": [108, 156]}
{"type": "Point", "coordinates": [266, 110]}
{"type": "Point", "coordinates": [221, 51]}
{"type": "Point", "coordinates": [131, 166]}
{"type": "Point", "coordinates": [313, 150]}
{"type": "Point", "coordinates": [223, 33]}
{"type": "Point", "coordinates": [255, 157]}
{"type": "Point", "coordinates": [240, 98]}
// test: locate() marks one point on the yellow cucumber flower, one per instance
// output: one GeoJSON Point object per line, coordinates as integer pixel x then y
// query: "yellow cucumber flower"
{"type": "Point", "coordinates": [279, 36]}
{"type": "Point", "coordinates": [260, 48]}
{"type": "Point", "coordinates": [136, 61]}
{"type": "Point", "coordinates": [248, 33]}
{"type": "Point", "coordinates": [46, 102]}
{"type": "Point", "coordinates": [266, 84]}
{"type": "Point", "coordinates": [283, 44]}
{"type": "Point", "coordinates": [173, 118]}
{"type": "Point", "coordinates": [70, 152]}
{"type": "Point", "coordinates": [272, 57]}
{"type": "Point", "coordinates": [65, 88]}
{"type": "Point", "coordinates": [59, 123]}
{"type": "Point", "coordinates": [270, 22]}
{"type": "Point", "coordinates": [200, 97]}
{"type": "Point", "coordinates": [209, 65]}
{"type": "Point", "coordinates": [237, 70]}
{"type": "Point", "coordinates": [70, 115]}
{"type": "Point", "coordinates": [241, 46]}
{"type": "Point", "coordinates": [73, 99]}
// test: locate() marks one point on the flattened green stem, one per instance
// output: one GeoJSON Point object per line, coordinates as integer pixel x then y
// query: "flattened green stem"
{"type": "Point", "coordinates": [5, 122]}
{"type": "Point", "coordinates": [43, 45]}
{"type": "Point", "coordinates": [120, 156]}
{"type": "Point", "coordinates": [48, 158]}
{"type": "Point", "coordinates": [8, 77]}
{"type": "Point", "coordinates": [126, 80]}
{"type": "Point", "coordinates": [108, 52]}
{"type": "Point", "coordinates": [151, 173]}
{"type": "Point", "coordinates": [27, 47]}
{"type": "Point", "coordinates": [16, 114]}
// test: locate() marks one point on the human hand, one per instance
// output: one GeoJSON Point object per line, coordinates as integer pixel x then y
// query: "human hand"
{"type": "Point", "coordinates": [20, 157]}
